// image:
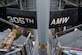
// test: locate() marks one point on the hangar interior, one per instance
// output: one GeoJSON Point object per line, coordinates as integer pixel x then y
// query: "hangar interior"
{"type": "Point", "coordinates": [40, 27]}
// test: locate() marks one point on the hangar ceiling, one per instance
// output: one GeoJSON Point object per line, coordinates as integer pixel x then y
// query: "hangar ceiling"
{"type": "Point", "coordinates": [31, 4]}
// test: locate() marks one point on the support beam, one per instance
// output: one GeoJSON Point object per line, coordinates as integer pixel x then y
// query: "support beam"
{"type": "Point", "coordinates": [43, 11]}
{"type": "Point", "coordinates": [68, 2]}
{"type": "Point", "coordinates": [12, 3]}
{"type": "Point", "coordinates": [21, 6]}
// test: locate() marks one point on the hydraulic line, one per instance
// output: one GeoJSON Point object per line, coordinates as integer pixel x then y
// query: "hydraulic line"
{"type": "Point", "coordinates": [5, 21]}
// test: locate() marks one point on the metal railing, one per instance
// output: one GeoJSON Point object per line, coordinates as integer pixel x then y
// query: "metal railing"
{"type": "Point", "coordinates": [17, 49]}
{"type": "Point", "coordinates": [59, 48]}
